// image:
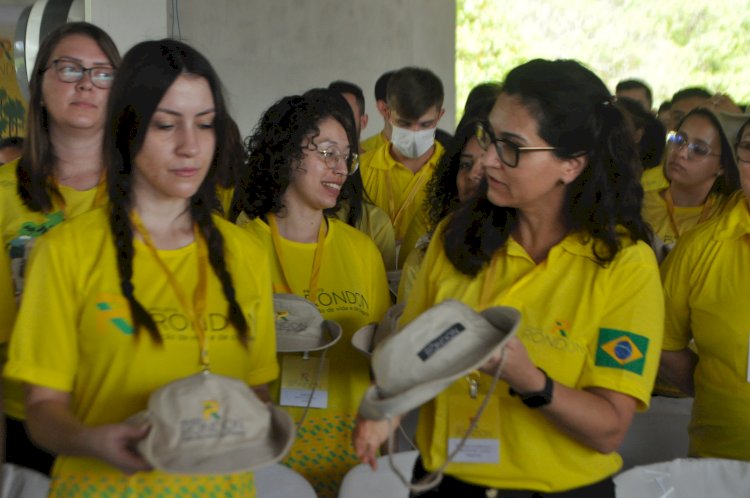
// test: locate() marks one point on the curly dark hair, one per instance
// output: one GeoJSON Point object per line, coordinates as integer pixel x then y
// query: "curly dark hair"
{"type": "Point", "coordinates": [275, 147]}
{"type": "Point", "coordinates": [574, 114]}
{"type": "Point", "coordinates": [147, 72]}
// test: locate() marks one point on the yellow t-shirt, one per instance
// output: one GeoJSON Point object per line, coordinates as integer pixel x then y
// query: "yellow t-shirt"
{"type": "Point", "coordinates": [19, 228]}
{"type": "Point", "coordinates": [394, 188]}
{"type": "Point", "coordinates": [587, 325]}
{"type": "Point", "coordinates": [373, 142]}
{"type": "Point", "coordinates": [83, 341]}
{"type": "Point", "coordinates": [706, 285]}
{"type": "Point", "coordinates": [654, 179]}
{"type": "Point", "coordinates": [656, 213]}
{"type": "Point", "coordinates": [353, 291]}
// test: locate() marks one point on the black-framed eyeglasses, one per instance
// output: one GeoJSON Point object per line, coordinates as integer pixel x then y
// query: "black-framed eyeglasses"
{"type": "Point", "coordinates": [507, 151]}
{"type": "Point", "coordinates": [332, 156]}
{"type": "Point", "coordinates": [743, 151]}
{"type": "Point", "coordinates": [677, 140]}
{"type": "Point", "coordinates": [70, 71]}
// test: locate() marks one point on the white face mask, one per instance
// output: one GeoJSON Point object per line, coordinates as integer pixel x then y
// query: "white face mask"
{"type": "Point", "coordinates": [412, 143]}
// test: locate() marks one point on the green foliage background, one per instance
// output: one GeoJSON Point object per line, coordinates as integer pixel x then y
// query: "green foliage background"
{"type": "Point", "coordinates": [670, 44]}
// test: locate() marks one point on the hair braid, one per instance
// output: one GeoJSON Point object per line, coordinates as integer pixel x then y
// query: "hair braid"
{"type": "Point", "coordinates": [122, 232]}
{"type": "Point", "coordinates": [201, 214]}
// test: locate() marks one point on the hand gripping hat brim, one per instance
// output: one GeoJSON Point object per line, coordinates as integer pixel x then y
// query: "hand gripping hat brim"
{"type": "Point", "coordinates": [368, 337]}
{"type": "Point", "coordinates": [211, 424]}
{"type": "Point", "coordinates": [441, 345]}
{"type": "Point", "coordinates": [300, 327]}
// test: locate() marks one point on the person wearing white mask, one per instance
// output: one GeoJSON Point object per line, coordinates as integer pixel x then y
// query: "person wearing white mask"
{"type": "Point", "coordinates": [395, 174]}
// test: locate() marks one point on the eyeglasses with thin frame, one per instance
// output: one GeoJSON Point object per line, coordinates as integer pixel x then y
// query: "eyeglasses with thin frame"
{"type": "Point", "coordinates": [70, 71]}
{"type": "Point", "coordinates": [332, 156]}
{"type": "Point", "coordinates": [508, 152]}
{"type": "Point", "coordinates": [743, 151]}
{"type": "Point", "coordinates": [677, 141]}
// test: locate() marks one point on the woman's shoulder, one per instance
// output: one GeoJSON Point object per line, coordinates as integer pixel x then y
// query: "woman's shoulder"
{"type": "Point", "coordinates": [731, 223]}
{"type": "Point", "coordinates": [245, 236]}
{"type": "Point", "coordinates": [8, 179]}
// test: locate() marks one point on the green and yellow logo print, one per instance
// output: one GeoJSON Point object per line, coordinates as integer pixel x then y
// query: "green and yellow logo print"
{"type": "Point", "coordinates": [211, 410]}
{"type": "Point", "coordinates": [622, 350]}
{"type": "Point", "coordinates": [113, 311]}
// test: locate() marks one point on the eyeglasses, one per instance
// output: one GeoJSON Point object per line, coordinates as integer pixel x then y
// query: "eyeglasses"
{"type": "Point", "coordinates": [331, 157]}
{"type": "Point", "coordinates": [507, 151]}
{"type": "Point", "coordinates": [743, 152]}
{"type": "Point", "coordinates": [678, 140]}
{"type": "Point", "coordinates": [69, 71]}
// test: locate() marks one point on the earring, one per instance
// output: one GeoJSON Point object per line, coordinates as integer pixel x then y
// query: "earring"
{"type": "Point", "coordinates": [561, 182]}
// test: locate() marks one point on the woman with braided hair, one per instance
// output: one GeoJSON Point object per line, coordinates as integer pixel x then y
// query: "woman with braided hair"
{"type": "Point", "coordinates": [145, 291]}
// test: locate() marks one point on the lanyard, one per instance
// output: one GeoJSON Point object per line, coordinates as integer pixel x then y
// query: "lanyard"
{"type": "Point", "coordinates": [397, 215]}
{"type": "Point", "coordinates": [673, 219]}
{"type": "Point", "coordinates": [100, 198]}
{"type": "Point", "coordinates": [195, 311]}
{"type": "Point", "coordinates": [317, 257]}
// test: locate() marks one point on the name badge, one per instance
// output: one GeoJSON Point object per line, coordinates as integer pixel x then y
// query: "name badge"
{"type": "Point", "coordinates": [748, 358]}
{"type": "Point", "coordinates": [298, 378]}
{"type": "Point", "coordinates": [483, 445]}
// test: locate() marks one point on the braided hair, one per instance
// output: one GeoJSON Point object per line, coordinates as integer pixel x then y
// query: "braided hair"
{"type": "Point", "coordinates": [148, 70]}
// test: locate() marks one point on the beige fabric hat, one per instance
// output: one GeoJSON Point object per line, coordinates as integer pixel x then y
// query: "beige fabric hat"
{"type": "Point", "coordinates": [442, 344]}
{"type": "Point", "coordinates": [212, 424]}
{"type": "Point", "coordinates": [372, 334]}
{"type": "Point", "coordinates": [300, 327]}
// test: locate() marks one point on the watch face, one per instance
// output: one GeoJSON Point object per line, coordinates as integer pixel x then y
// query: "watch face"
{"type": "Point", "coordinates": [537, 400]}
{"type": "Point", "coordinates": [541, 398]}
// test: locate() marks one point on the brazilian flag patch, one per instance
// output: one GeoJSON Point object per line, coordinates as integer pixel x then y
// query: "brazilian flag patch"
{"type": "Point", "coordinates": [623, 350]}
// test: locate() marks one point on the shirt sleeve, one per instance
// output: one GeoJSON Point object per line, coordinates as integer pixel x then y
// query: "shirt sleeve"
{"type": "Point", "coordinates": [7, 299]}
{"type": "Point", "coordinates": [423, 291]}
{"type": "Point", "coordinates": [626, 349]}
{"type": "Point", "coordinates": [44, 346]}
{"type": "Point", "coordinates": [676, 270]}
{"type": "Point", "coordinates": [255, 278]}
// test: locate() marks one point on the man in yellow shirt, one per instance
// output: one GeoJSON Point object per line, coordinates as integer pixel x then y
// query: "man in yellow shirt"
{"type": "Point", "coordinates": [395, 175]}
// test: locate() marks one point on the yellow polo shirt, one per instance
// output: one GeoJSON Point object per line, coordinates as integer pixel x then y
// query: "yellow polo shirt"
{"type": "Point", "coordinates": [706, 286]}
{"type": "Point", "coordinates": [394, 188]}
{"type": "Point", "coordinates": [586, 324]}
{"type": "Point", "coordinates": [373, 142]}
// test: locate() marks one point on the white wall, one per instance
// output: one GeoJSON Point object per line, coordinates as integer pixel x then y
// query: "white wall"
{"type": "Point", "coordinates": [129, 21]}
{"type": "Point", "coordinates": [266, 49]}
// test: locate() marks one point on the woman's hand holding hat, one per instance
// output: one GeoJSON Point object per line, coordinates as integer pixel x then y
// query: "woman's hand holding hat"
{"type": "Point", "coordinates": [115, 444]}
{"type": "Point", "coordinates": [369, 436]}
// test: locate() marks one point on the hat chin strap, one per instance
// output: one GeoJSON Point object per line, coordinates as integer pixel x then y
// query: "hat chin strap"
{"type": "Point", "coordinates": [318, 373]}
{"type": "Point", "coordinates": [433, 479]}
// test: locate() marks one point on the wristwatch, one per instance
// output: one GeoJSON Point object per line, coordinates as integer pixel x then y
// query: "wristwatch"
{"type": "Point", "coordinates": [538, 398]}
